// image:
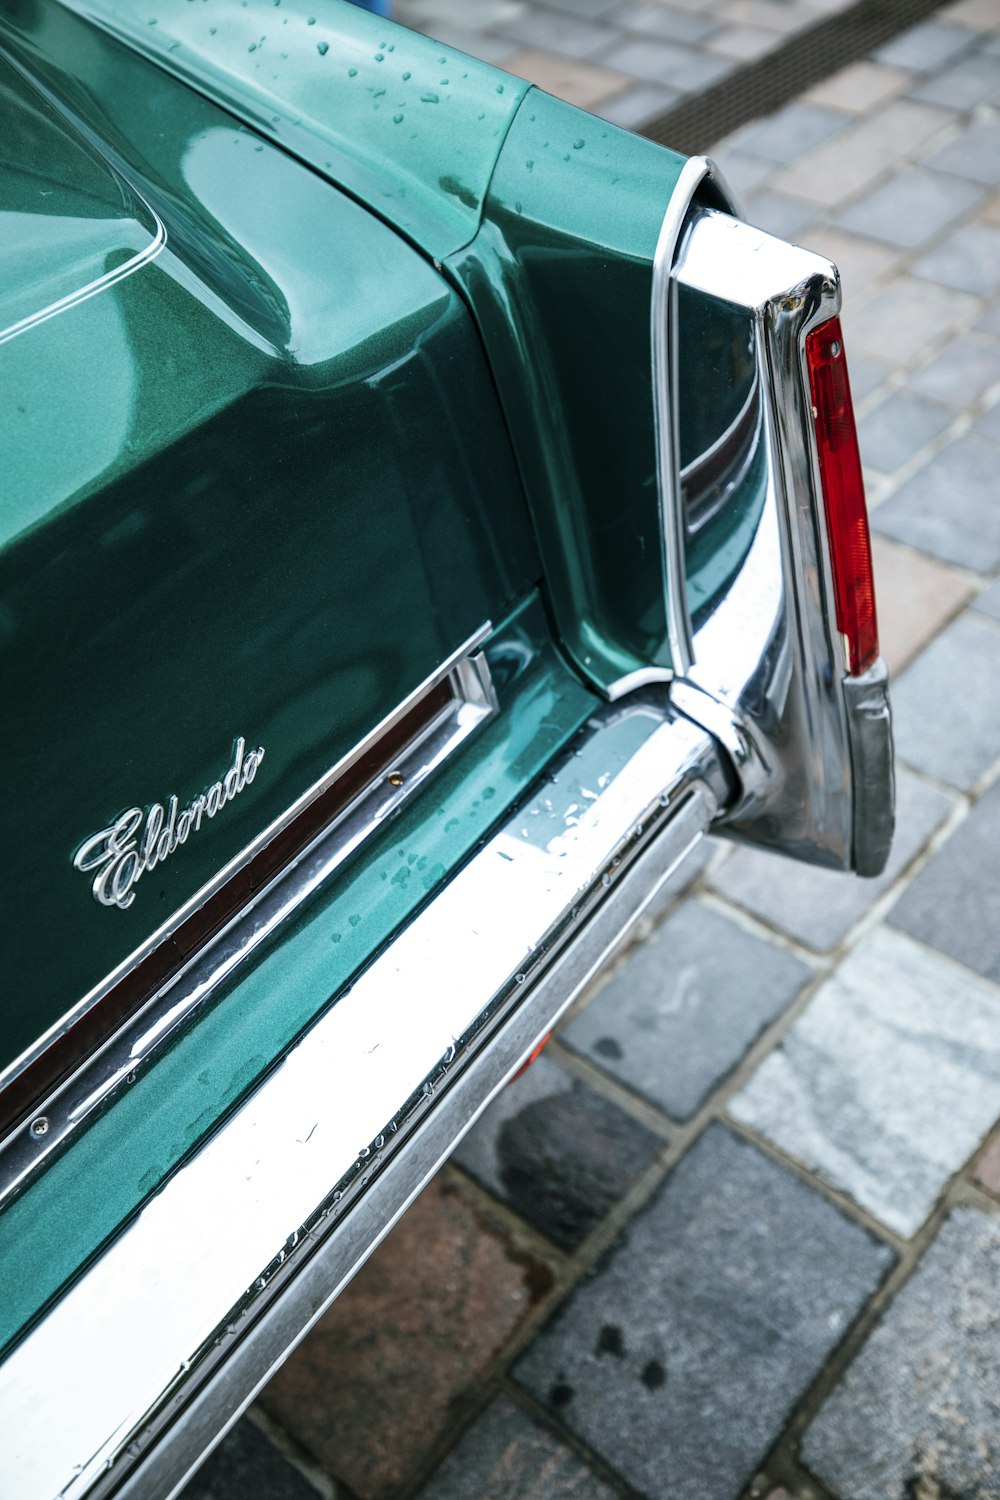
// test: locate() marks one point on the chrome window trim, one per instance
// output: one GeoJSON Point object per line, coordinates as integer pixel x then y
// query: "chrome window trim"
{"type": "Point", "coordinates": [303, 1178]}
{"type": "Point", "coordinates": [697, 171]}
{"type": "Point", "coordinates": [134, 1046]}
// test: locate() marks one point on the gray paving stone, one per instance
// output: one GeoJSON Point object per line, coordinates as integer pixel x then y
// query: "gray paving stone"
{"type": "Point", "coordinates": [558, 1152]}
{"type": "Point", "coordinates": [887, 1081]}
{"type": "Point", "coordinates": [990, 321]}
{"type": "Point", "coordinates": [680, 1361]}
{"type": "Point", "coordinates": [946, 709]}
{"type": "Point", "coordinates": [969, 260]}
{"type": "Point", "coordinates": [507, 1456]}
{"type": "Point", "coordinates": [669, 25]}
{"type": "Point", "coordinates": [916, 1413]}
{"type": "Point", "coordinates": [742, 171]}
{"type": "Point", "coordinates": [683, 68]}
{"type": "Point", "coordinates": [952, 904]}
{"type": "Point", "coordinates": [867, 374]}
{"type": "Point", "coordinates": [779, 213]}
{"type": "Point", "coordinates": [683, 1008]}
{"type": "Point", "coordinates": [819, 907]}
{"type": "Point", "coordinates": [988, 602]}
{"type": "Point", "coordinates": [925, 47]}
{"type": "Point", "coordinates": [975, 154]}
{"type": "Point", "coordinates": [905, 316]}
{"type": "Point", "coordinates": [790, 132]}
{"type": "Point", "coordinates": [247, 1463]}
{"type": "Point", "coordinates": [892, 433]}
{"type": "Point", "coordinates": [591, 9]}
{"type": "Point", "coordinates": [960, 372]}
{"type": "Point", "coordinates": [971, 81]}
{"type": "Point", "coordinates": [557, 32]}
{"type": "Point", "coordinates": [638, 104]}
{"type": "Point", "coordinates": [988, 425]}
{"type": "Point", "coordinates": [950, 507]}
{"type": "Point", "coordinates": [910, 209]}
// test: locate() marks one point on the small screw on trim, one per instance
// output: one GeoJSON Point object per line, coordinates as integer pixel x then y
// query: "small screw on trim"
{"type": "Point", "coordinates": [39, 1126]}
{"type": "Point", "coordinates": [395, 778]}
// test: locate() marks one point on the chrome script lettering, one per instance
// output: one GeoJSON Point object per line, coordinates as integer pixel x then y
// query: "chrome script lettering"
{"type": "Point", "coordinates": [136, 842]}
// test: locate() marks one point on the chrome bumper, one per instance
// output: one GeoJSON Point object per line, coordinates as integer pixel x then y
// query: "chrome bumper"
{"type": "Point", "coordinates": [141, 1366]}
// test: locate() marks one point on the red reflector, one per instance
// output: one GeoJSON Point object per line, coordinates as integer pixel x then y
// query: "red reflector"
{"type": "Point", "coordinates": [843, 494]}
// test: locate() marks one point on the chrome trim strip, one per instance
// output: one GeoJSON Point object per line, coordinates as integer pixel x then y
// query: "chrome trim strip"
{"type": "Point", "coordinates": [101, 284]}
{"type": "Point", "coordinates": [663, 340]}
{"type": "Point", "coordinates": [283, 1183]}
{"type": "Point", "coordinates": [134, 1048]}
{"type": "Point", "coordinates": [468, 687]}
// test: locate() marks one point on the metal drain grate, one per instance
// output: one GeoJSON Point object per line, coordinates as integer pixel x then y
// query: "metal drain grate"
{"type": "Point", "coordinates": [694, 125]}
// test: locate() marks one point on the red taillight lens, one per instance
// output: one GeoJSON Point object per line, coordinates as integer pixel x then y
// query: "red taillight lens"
{"type": "Point", "coordinates": [843, 494]}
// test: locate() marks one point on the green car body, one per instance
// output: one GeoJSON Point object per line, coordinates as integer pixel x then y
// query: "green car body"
{"type": "Point", "coordinates": [326, 366]}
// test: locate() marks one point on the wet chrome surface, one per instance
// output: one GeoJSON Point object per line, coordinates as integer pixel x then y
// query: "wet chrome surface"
{"type": "Point", "coordinates": [768, 671]}
{"type": "Point", "coordinates": [310, 1175]}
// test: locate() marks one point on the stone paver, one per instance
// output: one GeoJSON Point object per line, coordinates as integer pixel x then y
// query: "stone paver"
{"type": "Point", "coordinates": [859, 87]}
{"type": "Point", "coordinates": [953, 903]}
{"type": "Point", "coordinates": [916, 1414]}
{"type": "Point", "coordinates": [680, 1361]}
{"type": "Point", "coordinates": [789, 132]}
{"type": "Point", "coordinates": [887, 1081]}
{"type": "Point", "coordinates": [949, 507]}
{"type": "Point", "coordinates": [971, 81]}
{"type": "Point", "coordinates": [946, 714]}
{"type": "Point", "coordinates": [581, 83]}
{"type": "Point", "coordinates": [439, 1297]}
{"type": "Point", "coordinates": [961, 372]}
{"type": "Point", "coordinates": [507, 1456]}
{"type": "Point", "coordinates": [975, 154]}
{"type": "Point", "coordinates": [684, 1007]}
{"type": "Point", "coordinates": [560, 1154]}
{"type": "Point", "coordinates": [911, 208]}
{"type": "Point", "coordinates": [248, 1463]}
{"type": "Point", "coordinates": [819, 907]}
{"type": "Point", "coordinates": [891, 434]}
{"type": "Point", "coordinates": [908, 315]}
{"type": "Point", "coordinates": [987, 1167]}
{"type": "Point", "coordinates": [916, 598]}
{"type": "Point", "coordinates": [968, 260]}
{"type": "Point", "coordinates": [926, 46]}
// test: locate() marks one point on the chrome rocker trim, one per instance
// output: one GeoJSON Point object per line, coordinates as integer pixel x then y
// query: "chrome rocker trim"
{"type": "Point", "coordinates": [295, 1206]}
{"type": "Point", "coordinates": [117, 1065]}
{"type": "Point", "coordinates": [811, 746]}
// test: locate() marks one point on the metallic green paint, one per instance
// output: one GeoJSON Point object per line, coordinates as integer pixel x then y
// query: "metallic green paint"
{"type": "Point", "coordinates": [82, 1198]}
{"type": "Point", "coordinates": [559, 278]}
{"type": "Point", "coordinates": [214, 470]}
{"type": "Point", "coordinates": [410, 127]}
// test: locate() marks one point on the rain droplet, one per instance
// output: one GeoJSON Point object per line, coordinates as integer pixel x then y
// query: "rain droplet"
{"type": "Point", "coordinates": [352, 72]}
{"type": "Point", "coordinates": [397, 119]}
{"type": "Point", "coordinates": [322, 48]}
{"type": "Point", "coordinates": [380, 57]}
{"type": "Point", "coordinates": [499, 88]}
{"type": "Point", "coordinates": [429, 98]}
{"type": "Point", "coordinates": [407, 77]}
{"type": "Point", "coordinates": [578, 145]}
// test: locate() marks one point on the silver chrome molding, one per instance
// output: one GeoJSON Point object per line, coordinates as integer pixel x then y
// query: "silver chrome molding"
{"type": "Point", "coordinates": [134, 1048]}
{"type": "Point", "coordinates": [663, 339]}
{"type": "Point", "coordinates": [768, 677]}
{"type": "Point", "coordinates": [177, 1329]}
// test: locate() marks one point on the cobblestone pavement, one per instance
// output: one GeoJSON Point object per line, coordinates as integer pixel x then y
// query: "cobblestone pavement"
{"type": "Point", "coordinates": [738, 1232]}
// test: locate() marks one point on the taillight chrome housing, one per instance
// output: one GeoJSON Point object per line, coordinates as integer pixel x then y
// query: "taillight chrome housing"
{"type": "Point", "coordinates": [783, 666]}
